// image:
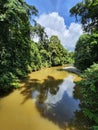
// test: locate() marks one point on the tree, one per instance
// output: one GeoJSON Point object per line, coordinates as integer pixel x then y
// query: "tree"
{"type": "Point", "coordinates": [51, 51]}
{"type": "Point", "coordinates": [39, 31]}
{"type": "Point", "coordinates": [15, 42]}
{"type": "Point", "coordinates": [87, 13]}
{"type": "Point", "coordinates": [86, 51]}
{"type": "Point", "coordinates": [36, 60]}
{"type": "Point", "coordinates": [58, 52]}
{"type": "Point", "coordinates": [89, 91]}
{"type": "Point", "coordinates": [43, 43]}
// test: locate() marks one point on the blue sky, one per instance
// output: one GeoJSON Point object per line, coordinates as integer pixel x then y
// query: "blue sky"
{"type": "Point", "coordinates": [60, 6]}
{"type": "Point", "coordinates": [55, 17]}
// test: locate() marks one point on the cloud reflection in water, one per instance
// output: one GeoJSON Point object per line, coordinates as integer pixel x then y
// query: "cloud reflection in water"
{"type": "Point", "coordinates": [59, 108]}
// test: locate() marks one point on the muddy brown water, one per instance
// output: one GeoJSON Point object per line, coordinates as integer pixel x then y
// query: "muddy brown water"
{"type": "Point", "coordinates": [46, 100]}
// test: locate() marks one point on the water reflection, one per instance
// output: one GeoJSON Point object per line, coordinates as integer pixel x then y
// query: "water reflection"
{"type": "Point", "coordinates": [56, 102]}
{"type": "Point", "coordinates": [40, 90]}
{"type": "Point", "coordinates": [49, 86]}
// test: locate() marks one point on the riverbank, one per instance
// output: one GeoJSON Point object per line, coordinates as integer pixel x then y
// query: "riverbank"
{"type": "Point", "coordinates": [72, 69]}
{"type": "Point", "coordinates": [26, 113]}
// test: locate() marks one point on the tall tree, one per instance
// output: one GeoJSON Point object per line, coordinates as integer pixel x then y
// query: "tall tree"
{"type": "Point", "coordinates": [58, 52]}
{"type": "Point", "coordinates": [87, 13]}
{"type": "Point", "coordinates": [15, 33]}
{"type": "Point", "coordinates": [88, 87]}
{"type": "Point", "coordinates": [14, 36]}
{"type": "Point", "coordinates": [86, 51]}
{"type": "Point", "coordinates": [38, 31]}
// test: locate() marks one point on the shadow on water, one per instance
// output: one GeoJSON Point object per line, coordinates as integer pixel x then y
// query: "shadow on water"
{"type": "Point", "coordinates": [61, 106]}
{"type": "Point", "coordinates": [56, 100]}
{"type": "Point", "coordinates": [5, 93]}
{"type": "Point", "coordinates": [81, 120]}
{"type": "Point", "coordinates": [34, 86]}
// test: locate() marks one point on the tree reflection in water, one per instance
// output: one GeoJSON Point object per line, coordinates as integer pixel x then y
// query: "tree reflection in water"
{"type": "Point", "coordinates": [56, 102]}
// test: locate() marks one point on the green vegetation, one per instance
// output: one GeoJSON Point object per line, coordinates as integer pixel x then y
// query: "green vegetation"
{"type": "Point", "coordinates": [89, 91]}
{"type": "Point", "coordinates": [14, 41]}
{"type": "Point", "coordinates": [18, 53]}
{"type": "Point", "coordinates": [86, 51]}
{"type": "Point", "coordinates": [58, 53]}
{"type": "Point", "coordinates": [87, 13]}
{"type": "Point", "coordinates": [86, 58]}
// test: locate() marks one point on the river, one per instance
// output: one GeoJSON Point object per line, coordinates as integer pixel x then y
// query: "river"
{"type": "Point", "coordinates": [46, 100]}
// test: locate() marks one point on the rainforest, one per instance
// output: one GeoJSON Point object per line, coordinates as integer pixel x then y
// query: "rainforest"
{"type": "Point", "coordinates": [43, 85]}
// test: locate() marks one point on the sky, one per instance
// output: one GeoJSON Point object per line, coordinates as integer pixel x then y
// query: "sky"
{"type": "Point", "coordinates": [54, 15]}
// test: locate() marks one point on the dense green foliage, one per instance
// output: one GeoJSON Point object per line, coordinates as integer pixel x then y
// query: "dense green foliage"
{"type": "Point", "coordinates": [18, 53]}
{"type": "Point", "coordinates": [86, 54]}
{"type": "Point", "coordinates": [89, 90]}
{"type": "Point", "coordinates": [86, 51]}
{"type": "Point", "coordinates": [87, 13]}
{"type": "Point", "coordinates": [51, 51]}
{"type": "Point", "coordinates": [14, 41]}
{"type": "Point", "coordinates": [57, 52]}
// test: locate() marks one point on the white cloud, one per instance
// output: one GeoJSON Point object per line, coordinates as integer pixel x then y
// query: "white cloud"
{"type": "Point", "coordinates": [54, 25]}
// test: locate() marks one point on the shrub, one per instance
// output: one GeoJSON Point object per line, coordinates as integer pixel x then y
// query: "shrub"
{"type": "Point", "coordinates": [89, 91]}
{"type": "Point", "coordinates": [8, 81]}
